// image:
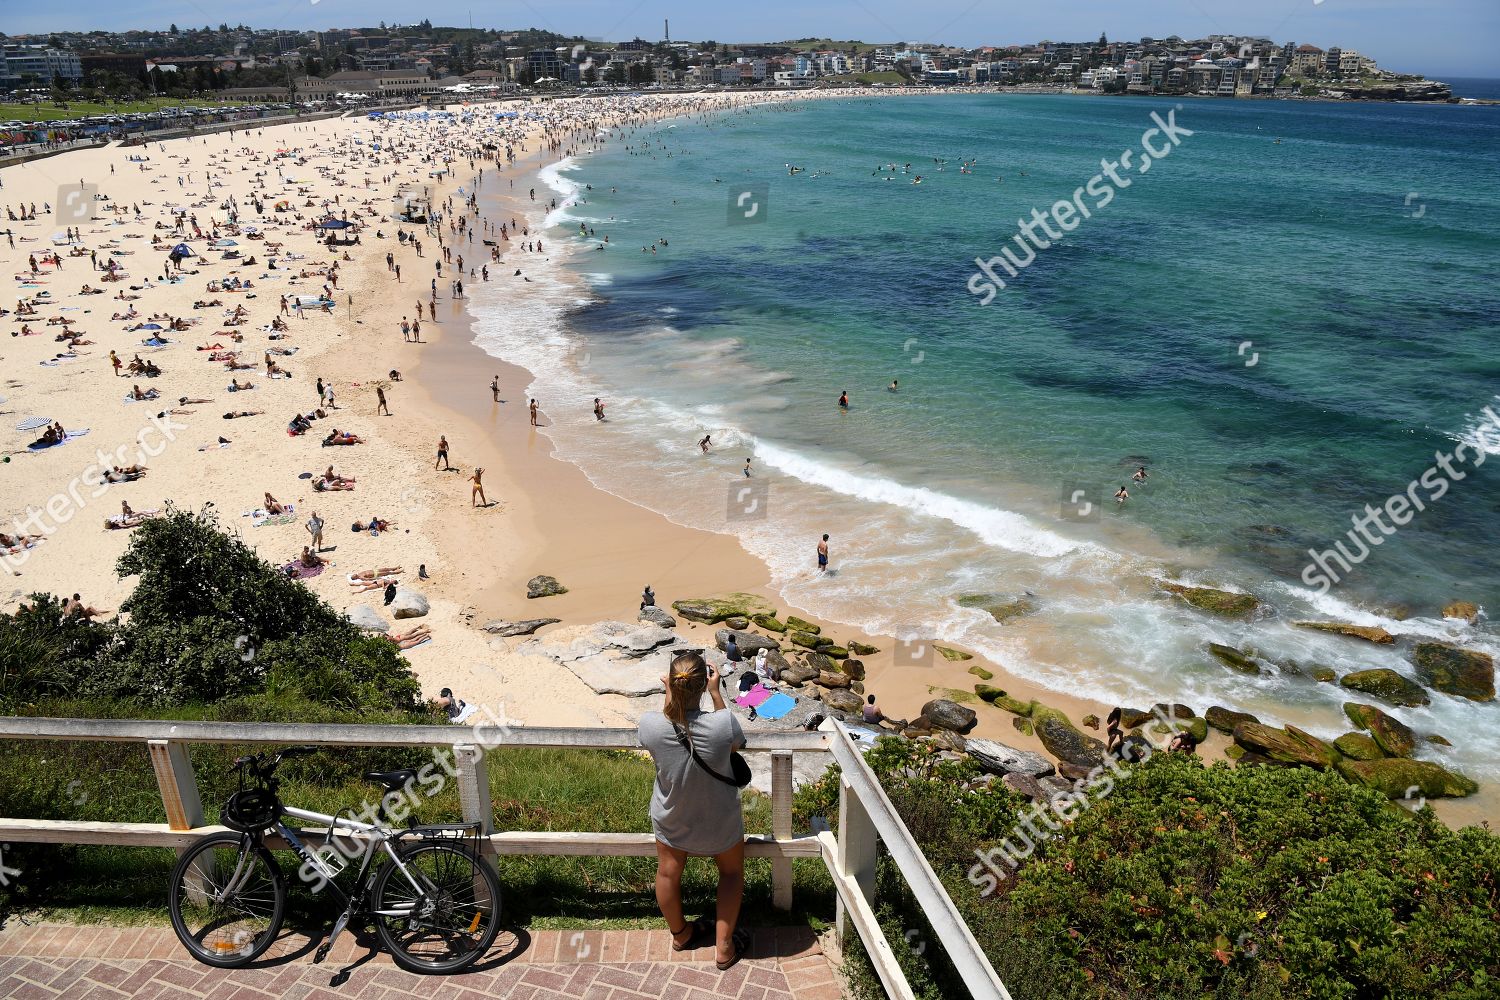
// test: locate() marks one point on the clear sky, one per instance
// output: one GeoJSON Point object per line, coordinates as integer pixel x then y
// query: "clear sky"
{"type": "Point", "coordinates": [1439, 37]}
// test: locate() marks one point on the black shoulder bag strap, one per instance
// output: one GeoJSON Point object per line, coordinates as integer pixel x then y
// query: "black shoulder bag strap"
{"type": "Point", "coordinates": [685, 737]}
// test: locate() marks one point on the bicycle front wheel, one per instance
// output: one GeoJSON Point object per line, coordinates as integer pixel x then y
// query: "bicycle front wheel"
{"type": "Point", "coordinates": [227, 900]}
{"type": "Point", "coordinates": [439, 910]}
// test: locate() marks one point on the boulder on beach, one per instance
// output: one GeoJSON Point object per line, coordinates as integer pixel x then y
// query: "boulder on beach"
{"type": "Point", "coordinates": [408, 603]}
{"type": "Point", "coordinates": [1218, 602]}
{"type": "Point", "coordinates": [1370, 633]}
{"type": "Point", "coordinates": [1233, 658]}
{"type": "Point", "coordinates": [1000, 607]}
{"type": "Point", "coordinates": [945, 714]}
{"type": "Point", "coordinates": [637, 641]}
{"type": "Point", "coordinates": [1063, 740]}
{"type": "Point", "coordinates": [1463, 611]}
{"type": "Point", "coordinates": [365, 617]}
{"type": "Point", "coordinates": [853, 669]}
{"type": "Point", "coordinates": [1224, 720]}
{"type": "Point", "coordinates": [1386, 684]}
{"type": "Point", "coordinates": [1405, 779]}
{"type": "Point", "coordinates": [1359, 746]}
{"type": "Point", "coordinates": [836, 652]}
{"type": "Point", "coordinates": [776, 663]}
{"type": "Point", "coordinates": [948, 740]}
{"type": "Point", "coordinates": [1132, 717]}
{"type": "Point", "coordinates": [997, 758]}
{"type": "Point", "coordinates": [981, 673]}
{"type": "Point", "coordinates": [1393, 736]}
{"type": "Point", "coordinates": [802, 625]}
{"type": "Point", "coordinates": [1323, 675]}
{"type": "Point", "coordinates": [656, 616]}
{"type": "Point", "coordinates": [1286, 746]}
{"type": "Point", "coordinates": [527, 627]}
{"type": "Point", "coordinates": [821, 662]}
{"type": "Point", "coordinates": [544, 586]}
{"type": "Point", "coordinates": [843, 700]}
{"type": "Point", "coordinates": [1173, 711]}
{"type": "Point", "coordinates": [748, 642]}
{"type": "Point", "coordinates": [833, 679]}
{"type": "Point", "coordinates": [949, 653]}
{"type": "Point", "coordinates": [769, 622]}
{"type": "Point", "coordinates": [807, 640]}
{"type": "Point", "coordinates": [737, 622]}
{"type": "Point", "coordinates": [860, 649]}
{"type": "Point", "coordinates": [796, 673]}
{"type": "Point", "coordinates": [1451, 670]}
{"type": "Point", "coordinates": [712, 610]}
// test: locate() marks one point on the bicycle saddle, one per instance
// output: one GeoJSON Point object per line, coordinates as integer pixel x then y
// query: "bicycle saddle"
{"type": "Point", "coordinates": [392, 780]}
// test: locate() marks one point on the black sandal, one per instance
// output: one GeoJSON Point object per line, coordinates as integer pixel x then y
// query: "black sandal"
{"type": "Point", "coordinates": [699, 927]}
{"type": "Point", "coordinates": [740, 941]}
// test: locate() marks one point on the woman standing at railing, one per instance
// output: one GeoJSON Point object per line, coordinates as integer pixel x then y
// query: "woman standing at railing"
{"type": "Point", "coordinates": [695, 805]}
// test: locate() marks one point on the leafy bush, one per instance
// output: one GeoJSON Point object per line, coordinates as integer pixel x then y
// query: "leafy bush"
{"type": "Point", "coordinates": [1195, 881]}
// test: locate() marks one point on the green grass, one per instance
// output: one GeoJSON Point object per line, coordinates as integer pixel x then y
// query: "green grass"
{"type": "Point", "coordinates": [532, 789]}
{"type": "Point", "coordinates": [48, 111]}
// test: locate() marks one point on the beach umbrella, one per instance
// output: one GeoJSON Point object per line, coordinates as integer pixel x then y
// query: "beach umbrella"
{"type": "Point", "coordinates": [150, 326]}
{"type": "Point", "coordinates": [34, 423]}
{"type": "Point", "coordinates": [334, 224]}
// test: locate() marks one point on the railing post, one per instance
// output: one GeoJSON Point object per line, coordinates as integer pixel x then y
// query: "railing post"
{"type": "Point", "coordinates": [179, 787]}
{"type": "Point", "coordinates": [781, 827]}
{"type": "Point", "coordinates": [857, 852]}
{"type": "Point", "coordinates": [474, 787]}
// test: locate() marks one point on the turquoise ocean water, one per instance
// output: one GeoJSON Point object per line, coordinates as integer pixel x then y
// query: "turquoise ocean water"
{"type": "Point", "coordinates": [1281, 331]}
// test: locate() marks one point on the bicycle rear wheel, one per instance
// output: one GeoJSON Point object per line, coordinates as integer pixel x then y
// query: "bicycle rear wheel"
{"type": "Point", "coordinates": [442, 913]}
{"type": "Point", "coordinates": [227, 900]}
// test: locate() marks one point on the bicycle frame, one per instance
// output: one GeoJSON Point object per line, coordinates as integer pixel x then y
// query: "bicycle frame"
{"type": "Point", "coordinates": [381, 838]}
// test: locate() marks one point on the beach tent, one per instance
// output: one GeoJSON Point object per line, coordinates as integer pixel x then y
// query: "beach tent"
{"type": "Point", "coordinates": [34, 423]}
{"type": "Point", "coordinates": [334, 224]}
{"type": "Point", "coordinates": [183, 250]}
{"type": "Point", "coordinates": [61, 239]}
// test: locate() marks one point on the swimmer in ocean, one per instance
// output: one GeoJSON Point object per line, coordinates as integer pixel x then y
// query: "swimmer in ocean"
{"type": "Point", "coordinates": [1121, 495]}
{"type": "Point", "coordinates": [1140, 475]}
{"type": "Point", "coordinates": [844, 400]}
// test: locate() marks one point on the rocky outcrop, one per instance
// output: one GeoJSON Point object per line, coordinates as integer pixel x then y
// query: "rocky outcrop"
{"type": "Point", "coordinates": [853, 669]}
{"type": "Point", "coordinates": [860, 649]}
{"type": "Point", "coordinates": [843, 700]}
{"type": "Point", "coordinates": [1370, 633]}
{"type": "Point", "coordinates": [1392, 735]}
{"type": "Point", "coordinates": [949, 653]}
{"type": "Point", "coordinates": [1405, 779]}
{"type": "Point", "coordinates": [1233, 658]}
{"type": "Point", "coordinates": [527, 627]}
{"type": "Point", "coordinates": [1000, 607]}
{"type": "Point", "coordinates": [1359, 746]}
{"type": "Point", "coordinates": [1065, 742]}
{"type": "Point", "coordinates": [1463, 611]}
{"type": "Point", "coordinates": [997, 697]}
{"type": "Point", "coordinates": [365, 617]}
{"type": "Point", "coordinates": [544, 586]}
{"type": "Point", "coordinates": [945, 714]}
{"type": "Point", "coordinates": [832, 679]}
{"type": "Point", "coordinates": [712, 610]}
{"type": "Point", "coordinates": [656, 616]}
{"type": "Point", "coordinates": [408, 603]}
{"type": "Point", "coordinates": [821, 663]}
{"type": "Point", "coordinates": [770, 623]}
{"type": "Point", "coordinates": [748, 642]}
{"type": "Point", "coordinates": [802, 625]}
{"type": "Point", "coordinates": [997, 758]}
{"type": "Point", "coordinates": [777, 663]}
{"type": "Point", "coordinates": [1217, 602]}
{"type": "Point", "coordinates": [981, 673]}
{"type": "Point", "coordinates": [1224, 720]}
{"type": "Point", "coordinates": [797, 673]}
{"type": "Point", "coordinates": [1451, 670]}
{"type": "Point", "coordinates": [1132, 717]}
{"type": "Point", "coordinates": [1387, 685]}
{"type": "Point", "coordinates": [1285, 746]}
{"type": "Point", "coordinates": [947, 739]}
{"type": "Point", "coordinates": [807, 640]}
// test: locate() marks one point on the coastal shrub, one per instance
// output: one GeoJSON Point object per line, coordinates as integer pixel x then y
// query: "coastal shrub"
{"type": "Point", "coordinates": [42, 651]}
{"type": "Point", "coordinates": [1193, 880]}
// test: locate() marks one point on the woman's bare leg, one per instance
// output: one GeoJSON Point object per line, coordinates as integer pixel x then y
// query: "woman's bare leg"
{"type": "Point", "coordinates": [731, 892]}
{"type": "Point", "coordinates": [669, 864]}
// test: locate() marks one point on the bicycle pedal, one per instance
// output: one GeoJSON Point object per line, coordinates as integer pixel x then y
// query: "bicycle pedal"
{"type": "Point", "coordinates": [322, 952]}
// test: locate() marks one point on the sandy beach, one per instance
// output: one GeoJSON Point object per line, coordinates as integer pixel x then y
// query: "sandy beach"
{"type": "Point", "coordinates": [543, 515]}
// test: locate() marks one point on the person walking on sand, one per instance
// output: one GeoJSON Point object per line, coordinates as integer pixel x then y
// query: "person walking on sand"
{"type": "Point", "coordinates": [442, 455]}
{"type": "Point", "coordinates": [380, 395]}
{"type": "Point", "coordinates": [533, 413]}
{"type": "Point", "coordinates": [823, 555]}
{"type": "Point", "coordinates": [315, 528]}
{"type": "Point", "coordinates": [695, 807]}
{"type": "Point", "coordinates": [115, 362]}
{"type": "Point", "coordinates": [477, 497]}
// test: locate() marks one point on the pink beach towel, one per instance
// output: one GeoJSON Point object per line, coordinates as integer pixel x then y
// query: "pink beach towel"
{"type": "Point", "coordinates": [754, 697]}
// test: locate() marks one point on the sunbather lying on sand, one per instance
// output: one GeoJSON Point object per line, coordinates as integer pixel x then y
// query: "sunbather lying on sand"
{"type": "Point", "coordinates": [337, 437]}
{"type": "Point", "coordinates": [415, 637]}
{"type": "Point", "coordinates": [369, 575]}
{"type": "Point", "coordinates": [242, 413]}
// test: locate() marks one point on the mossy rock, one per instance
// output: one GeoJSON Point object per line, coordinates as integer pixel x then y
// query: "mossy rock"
{"type": "Point", "coordinates": [1323, 675]}
{"type": "Point", "coordinates": [712, 610]}
{"type": "Point", "coordinates": [1401, 779]}
{"type": "Point", "coordinates": [737, 622]}
{"type": "Point", "coordinates": [981, 673]}
{"type": "Point", "coordinates": [804, 639]}
{"type": "Point", "coordinates": [1286, 746]}
{"type": "Point", "coordinates": [770, 623]}
{"type": "Point", "coordinates": [860, 649]}
{"type": "Point", "coordinates": [1233, 658]}
{"type": "Point", "coordinates": [802, 625]}
{"type": "Point", "coordinates": [1234, 751]}
{"type": "Point", "coordinates": [853, 669]}
{"type": "Point", "coordinates": [1434, 738]}
{"type": "Point", "coordinates": [1451, 670]}
{"type": "Point", "coordinates": [1359, 746]}
{"type": "Point", "coordinates": [1393, 735]}
{"type": "Point", "coordinates": [1161, 729]}
{"type": "Point", "coordinates": [1217, 602]}
{"type": "Point", "coordinates": [1224, 719]}
{"type": "Point", "coordinates": [1065, 741]}
{"type": "Point", "coordinates": [1000, 607]}
{"type": "Point", "coordinates": [953, 694]}
{"type": "Point", "coordinates": [1370, 633]}
{"type": "Point", "coordinates": [1091, 721]}
{"type": "Point", "coordinates": [1463, 611]}
{"type": "Point", "coordinates": [1133, 717]}
{"type": "Point", "coordinates": [951, 654]}
{"type": "Point", "coordinates": [821, 663]}
{"type": "Point", "coordinates": [837, 652]}
{"type": "Point", "coordinates": [988, 692]}
{"type": "Point", "coordinates": [1023, 726]}
{"type": "Point", "coordinates": [1198, 729]}
{"type": "Point", "coordinates": [1387, 685]}
{"type": "Point", "coordinates": [1005, 701]}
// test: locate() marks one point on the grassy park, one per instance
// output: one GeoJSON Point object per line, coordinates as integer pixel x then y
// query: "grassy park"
{"type": "Point", "coordinates": [49, 110]}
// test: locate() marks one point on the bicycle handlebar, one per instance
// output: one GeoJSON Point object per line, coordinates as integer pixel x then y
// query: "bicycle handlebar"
{"type": "Point", "coordinates": [261, 767]}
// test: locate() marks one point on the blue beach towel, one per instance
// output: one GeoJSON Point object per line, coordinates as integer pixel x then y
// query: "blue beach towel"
{"type": "Point", "coordinates": [776, 706]}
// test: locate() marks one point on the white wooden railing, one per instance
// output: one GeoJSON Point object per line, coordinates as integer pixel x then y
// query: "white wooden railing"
{"type": "Point", "coordinates": [866, 816]}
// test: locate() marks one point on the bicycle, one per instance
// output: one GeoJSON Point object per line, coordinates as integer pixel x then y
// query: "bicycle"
{"type": "Point", "coordinates": [434, 899]}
